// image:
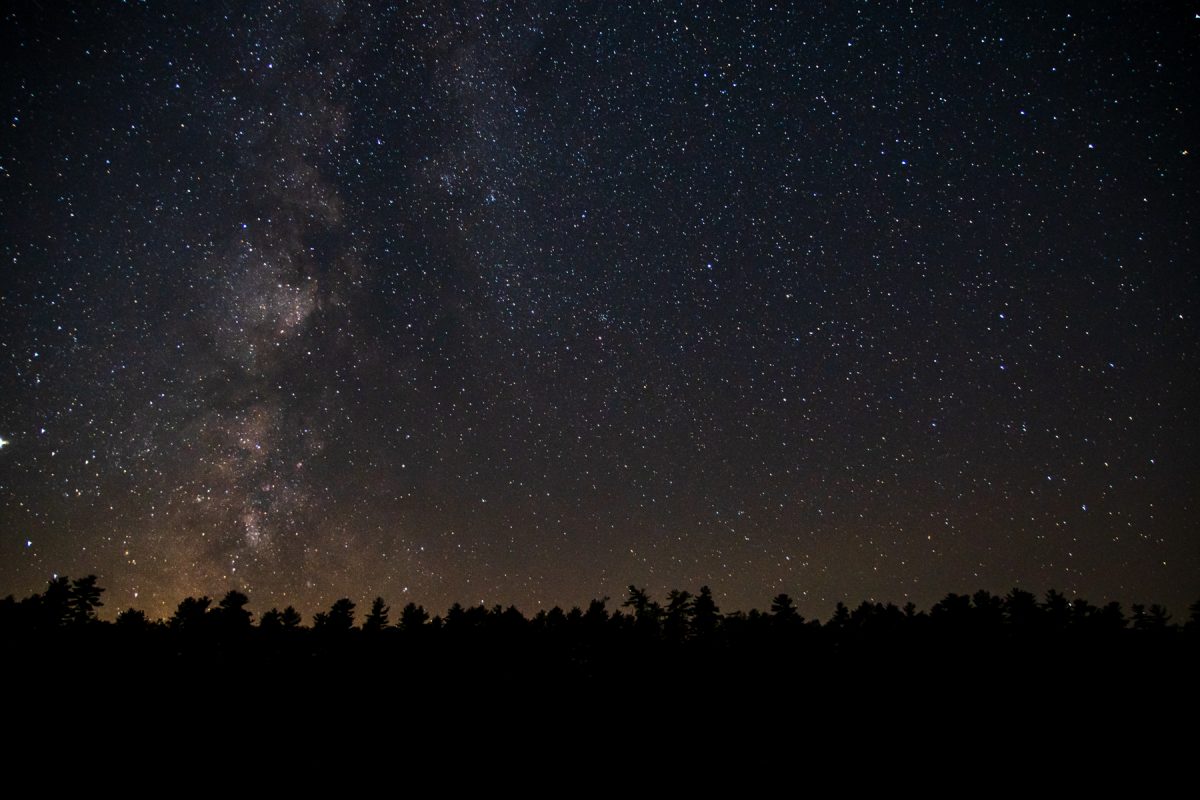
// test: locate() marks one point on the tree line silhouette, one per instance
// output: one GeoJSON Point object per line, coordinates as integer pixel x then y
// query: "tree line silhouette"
{"type": "Point", "coordinates": [684, 623]}
{"type": "Point", "coordinates": [683, 653]}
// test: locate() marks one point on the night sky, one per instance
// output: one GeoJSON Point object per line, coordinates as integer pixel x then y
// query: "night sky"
{"type": "Point", "coordinates": [522, 303]}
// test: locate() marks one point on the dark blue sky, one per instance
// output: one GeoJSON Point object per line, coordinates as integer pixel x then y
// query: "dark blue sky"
{"type": "Point", "coordinates": [523, 303]}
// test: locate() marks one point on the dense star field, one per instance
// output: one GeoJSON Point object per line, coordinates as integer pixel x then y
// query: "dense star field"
{"type": "Point", "coordinates": [522, 303]}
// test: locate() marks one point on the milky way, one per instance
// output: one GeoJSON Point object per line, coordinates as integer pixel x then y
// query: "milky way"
{"type": "Point", "coordinates": [524, 303]}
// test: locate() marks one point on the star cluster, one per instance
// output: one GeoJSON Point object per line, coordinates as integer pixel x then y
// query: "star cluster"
{"type": "Point", "coordinates": [525, 302]}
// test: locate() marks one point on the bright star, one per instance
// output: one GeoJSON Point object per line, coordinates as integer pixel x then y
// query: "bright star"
{"type": "Point", "coordinates": [3, 442]}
